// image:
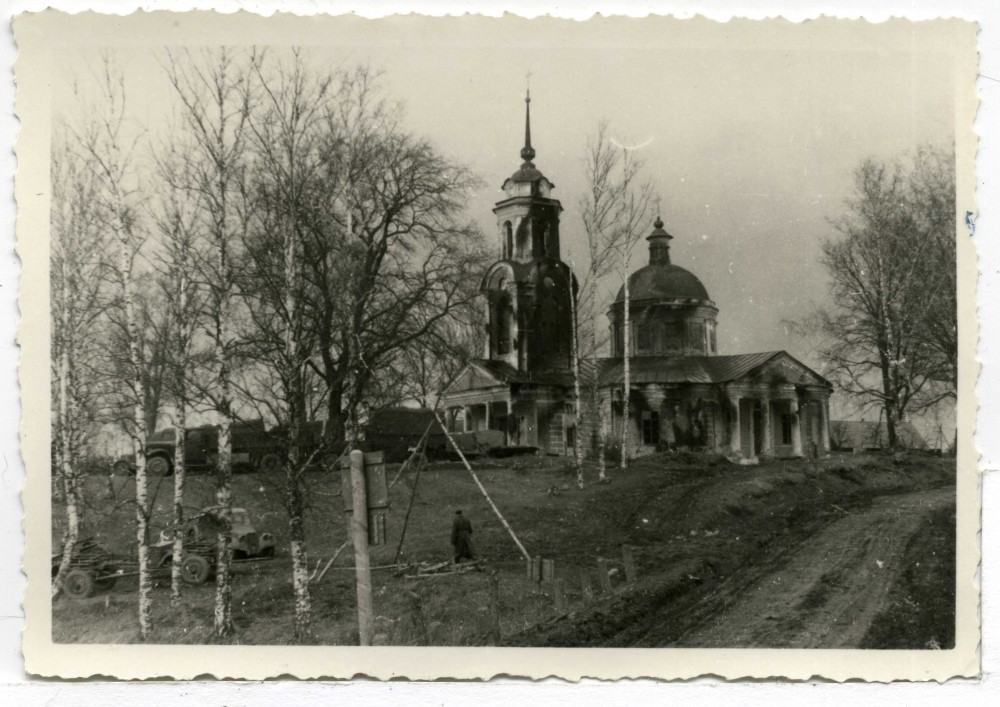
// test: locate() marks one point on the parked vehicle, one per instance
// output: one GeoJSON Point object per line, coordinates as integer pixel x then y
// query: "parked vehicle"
{"type": "Point", "coordinates": [201, 533]}
{"type": "Point", "coordinates": [91, 567]}
{"type": "Point", "coordinates": [253, 450]}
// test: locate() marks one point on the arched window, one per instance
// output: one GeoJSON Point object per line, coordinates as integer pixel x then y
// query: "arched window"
{"type": "Point", "coordinates": [523, 243]}
{"type": "Point", "coordinates": [500, 316]}
{"type": "Point", "coordinates": [508, 240]}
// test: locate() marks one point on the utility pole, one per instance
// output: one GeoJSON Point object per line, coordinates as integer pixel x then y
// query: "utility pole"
{"type": "Point", "coordinates": [359, 535]}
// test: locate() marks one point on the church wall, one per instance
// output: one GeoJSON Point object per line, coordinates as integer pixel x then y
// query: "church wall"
{"type": "Point", "coordinates": [664, 329]}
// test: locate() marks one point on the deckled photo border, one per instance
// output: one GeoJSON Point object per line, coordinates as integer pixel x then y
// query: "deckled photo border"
{"type": "Point", "coordinates": [35, 34]}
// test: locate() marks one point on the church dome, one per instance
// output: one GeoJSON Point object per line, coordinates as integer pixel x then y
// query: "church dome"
{"type": "Point", "coordinates": [660, 279]}
{"type": "Point", "coordinates": [663, 280]}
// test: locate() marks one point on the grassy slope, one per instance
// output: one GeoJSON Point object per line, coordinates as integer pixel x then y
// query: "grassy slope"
{"type": "Point", "coordinates": [694, 521]}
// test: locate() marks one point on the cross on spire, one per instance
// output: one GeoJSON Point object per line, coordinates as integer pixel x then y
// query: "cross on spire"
{"type": "Point", "coordinates": [527, 152]}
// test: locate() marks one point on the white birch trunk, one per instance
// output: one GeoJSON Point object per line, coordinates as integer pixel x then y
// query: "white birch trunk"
{"type": "Point", "coordinates": [295, 394]}
{"type": "Point", "coordinates": [602, 437]}
{"type": "Point", "coordinates": [626, 351]}
{"type": "Point", "coordinates": [223, 620]}
{"type": "Point", "coordinates": [578, 401]}
{"type": "Point", "coordinates": [179, 464]}
{"type": "Point", "coordinates": [139, 433]}
{"type": "Point", "coordinates": [64, 443]}
{"type": "Point", "coordinates": [176, 583]}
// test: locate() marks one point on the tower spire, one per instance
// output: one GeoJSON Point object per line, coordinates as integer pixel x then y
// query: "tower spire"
{"type": "Point", "coordinates": [527, 152]}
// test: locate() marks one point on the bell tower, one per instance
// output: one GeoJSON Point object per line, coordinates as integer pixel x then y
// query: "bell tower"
{"type": "Point", "coordinates": [529, 287]}
{"type": "Point", "coordinates": [527, 216]}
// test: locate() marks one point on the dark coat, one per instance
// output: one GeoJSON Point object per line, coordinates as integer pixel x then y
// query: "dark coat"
{"type": "Point", "coordinates": [461, 537]}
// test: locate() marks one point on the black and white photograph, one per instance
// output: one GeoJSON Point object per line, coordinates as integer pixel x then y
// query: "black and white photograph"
{"type": "Point", "coordinates": [498, 334]}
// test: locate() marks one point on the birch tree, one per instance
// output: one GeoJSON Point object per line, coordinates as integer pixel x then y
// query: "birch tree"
{"type": "Point", "coordinates": [215, 100]}
{"type": "Point", "coordinates": [182, 302]}
{"type": "Point", "coordinates": [110, 144]}
{"type": "Point", "coordinates": [287, 142]}
{"type": "Point", "coordinates": [613, 209]}
{"type": "Point", "coordinates": [79, 301]}
{"type": "Point", "coordinates": [891, 281]}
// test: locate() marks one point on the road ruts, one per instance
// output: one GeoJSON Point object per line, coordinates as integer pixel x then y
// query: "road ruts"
{"type": "Point", "coordinates": [827, 594]}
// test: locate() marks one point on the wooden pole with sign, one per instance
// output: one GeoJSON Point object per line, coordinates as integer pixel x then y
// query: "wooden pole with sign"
{"type": "Point", "coordinates": [359, 535]}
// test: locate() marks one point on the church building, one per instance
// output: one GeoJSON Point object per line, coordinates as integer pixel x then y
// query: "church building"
{"type": "Point", "coordinates": [682, 393]}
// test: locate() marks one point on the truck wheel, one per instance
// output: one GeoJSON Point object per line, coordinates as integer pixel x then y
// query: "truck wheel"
{"type": "Point", "coordinates": [270, 463]}
{"type": "Point", "coordinates": [78, 584]}
{"type": "Point", "coordinates": [194, 569]}
{"type": "Point", "coordinates": [159, 466]}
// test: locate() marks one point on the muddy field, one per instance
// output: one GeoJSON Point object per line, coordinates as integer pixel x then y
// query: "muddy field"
{"type": "Point", "coordinates": [848, 551]}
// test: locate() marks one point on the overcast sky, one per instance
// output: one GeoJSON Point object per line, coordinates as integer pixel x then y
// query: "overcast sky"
{"type": "Point", "coordinates": [750, 131]}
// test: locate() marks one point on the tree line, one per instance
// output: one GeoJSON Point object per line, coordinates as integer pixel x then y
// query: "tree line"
{"type": "Point", "coordinates": [284, 252]}
{"type": "Point", "coordinates": [891, 333]}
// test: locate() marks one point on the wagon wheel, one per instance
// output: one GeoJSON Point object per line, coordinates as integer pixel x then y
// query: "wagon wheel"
{"type": "Point", "coordinates": [194, 569]}
{"type": "Point", "coordinates": [270, 463]}
{"type": "Point", "coordinates": [78, 584]}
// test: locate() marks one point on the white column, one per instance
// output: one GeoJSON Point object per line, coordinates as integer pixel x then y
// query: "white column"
{"type": "Point", "coordinates": [766, 440]}
{"type": "Point", "coordinates": [735, 444]}
{"type": "Point", "coordinates": [824, 426]}
{"type": "Point", "coordinates": [467, 418]}
{"type": "Point", "coordinates": [793, 409]}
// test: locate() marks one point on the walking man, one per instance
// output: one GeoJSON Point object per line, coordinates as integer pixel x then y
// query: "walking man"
{"type": "Point", "coordinates": [461, 538]}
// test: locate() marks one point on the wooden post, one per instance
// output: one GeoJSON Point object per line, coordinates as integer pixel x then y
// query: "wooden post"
{"type": "Point", "coordinates": [530, 562]}
{"type": "Point", "coordinates": [602, 575]}
{"type": "Point", "coordinates": [628, 559]}
{"type": "Point", "coordinates": [359, 535]}
{"type": "Point", "coordinates": [496, 635]}
{"type": "Point", "coordinates": [536, 569]}
{"type": "Point", "coordinates": [559, 591]}
{"type": "Point", "coordinates": [587, 587]}
{"type": "Point", "coordinates": [548, 570]}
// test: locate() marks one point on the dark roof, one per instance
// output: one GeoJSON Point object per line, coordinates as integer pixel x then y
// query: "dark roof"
{"type": "Point", "coordinates": [527, 173]}
{"type": "Point", "coordinates": [505, 373]}
{"type": "Point", "coordinates": [860, 434]}
{"type": "Point", "coordinates": [663, 281]}
{"type": "Point", "coordinates": [684, 369]}
{"type": "Point", "coordinates": [401, 419]}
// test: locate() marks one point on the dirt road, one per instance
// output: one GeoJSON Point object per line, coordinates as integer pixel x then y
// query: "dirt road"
{"type": "Point", "coordinates": [829, 590]}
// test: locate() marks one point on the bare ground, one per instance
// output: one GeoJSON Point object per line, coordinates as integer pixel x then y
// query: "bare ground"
{"type": "Point", "coordinates": [784, 554]}
{"type": "Point", "coordinates": [833, 586]}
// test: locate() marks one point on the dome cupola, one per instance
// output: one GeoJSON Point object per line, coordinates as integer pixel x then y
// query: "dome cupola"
{"type": "Point", "coordinates": [669, 307]}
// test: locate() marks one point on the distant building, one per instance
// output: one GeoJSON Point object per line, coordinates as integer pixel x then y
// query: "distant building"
{"type": "Point", "coordinates": [682, 393]}
{"type": "Point", "coordinates": [859, 436]}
